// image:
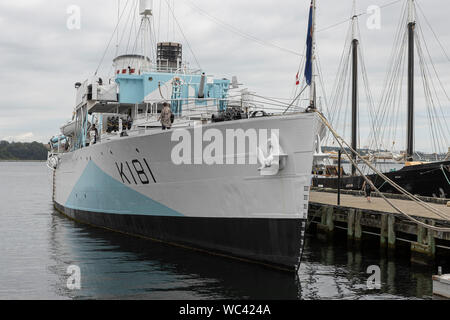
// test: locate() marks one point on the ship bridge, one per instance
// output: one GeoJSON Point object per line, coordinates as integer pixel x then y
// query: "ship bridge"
{"type": "Point", "coordinates": [138, 81]}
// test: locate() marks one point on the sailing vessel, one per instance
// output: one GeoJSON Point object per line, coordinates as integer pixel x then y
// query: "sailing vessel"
{"type": "Point", "coordinates": [114, 167]}
{"type": "Point", "coordinates": [431, 179]}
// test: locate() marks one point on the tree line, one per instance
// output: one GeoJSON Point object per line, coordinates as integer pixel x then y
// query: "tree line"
{"type": "Point", "coordinates": [22, 151]}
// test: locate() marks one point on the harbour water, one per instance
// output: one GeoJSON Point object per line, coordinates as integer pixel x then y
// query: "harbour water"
{"type": "Point", "coordinates": [37, 245]}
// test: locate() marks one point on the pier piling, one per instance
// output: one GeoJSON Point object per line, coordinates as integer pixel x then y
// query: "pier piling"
{"type": "Point", "coordinates": [359, 218]}
{"type": "Point", "coordinates": [384, 230]}
{"type": "Point", "coordinates": [330, 221]}
{"type": "Point", "coordinates": [351, 224]}
{"type": "Point", "coordinates": [358, 227]}
{"type": "Point", "coordinates": [426, 244]}
{"type": "Point", "coordinates": [391, 232]}
{"type": "Point", "coordinates": [326, 219]}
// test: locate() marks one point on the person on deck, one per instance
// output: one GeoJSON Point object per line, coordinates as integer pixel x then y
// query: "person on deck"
{"type": "Point", "coordinates": [94, 133]}
{"type": "Point", "coordinates": [367, 190]}
{"type": "Point", "coordinates": [129, 120]}
{"type": "Point", "coordinates": [166, 116]}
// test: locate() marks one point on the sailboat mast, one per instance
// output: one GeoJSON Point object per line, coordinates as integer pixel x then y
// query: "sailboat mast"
{"type": "Point", "coordinates": [411, 34]}
{"type": "Point", "coordinates": [312, 87]}
{"type": "Point", "coordinates": [355, 44]}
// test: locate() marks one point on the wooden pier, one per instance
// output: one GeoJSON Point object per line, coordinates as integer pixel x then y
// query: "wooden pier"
{"type": "Point", "coordinates": [361, 220]}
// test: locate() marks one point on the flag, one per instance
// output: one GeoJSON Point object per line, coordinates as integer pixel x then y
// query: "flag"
{"type": "Point", "coordinates": [297, 80]}
{"type": "Point", "coordinates": [309, 43]}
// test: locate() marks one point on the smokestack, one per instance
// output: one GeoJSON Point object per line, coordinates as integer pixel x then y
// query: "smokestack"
{"type": "Point", "coordinates": [169, 56]}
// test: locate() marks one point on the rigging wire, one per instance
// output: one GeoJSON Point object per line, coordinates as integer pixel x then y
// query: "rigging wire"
{"type": "Point", "coordinates": [357, 15]}
{"type": "Point", "coordinates": [173, 22]}
{"type": "Point", "coordinates": [118, 20]}
{"type": "Point", "coordinates": [340, 83]}
{"type": "Point", "coordinates": [423, 204]}
{"type": "Point", "coordinates": [369, 97]}
{"type": "Point", "coordinates": [434, 116]}
{"type": "Point", "coordinates": [322, 84]}
{"type": "Point", "coordinates": [392, 97]}
{"type": "Point", "coordinates": [432, 30]}
{"type": "Point", "coordinates": [182, 33]}
{"type": "Point", "coordinates": [124, 32]}
{"type": "Point", "coordinates": [431, 60]}
{"type": "Point", "coordinates": [298, 96]}
{"type": "Point", "coordinates": [159, 20]}
{"type": "Point", "coordinates": [110, 40]}
{"type": "Point", "coordinates": [300, 70]}
{"type": "Point", "coordinates": [168, 19]}
{"type": "Point", "coordinates": [238, 32]}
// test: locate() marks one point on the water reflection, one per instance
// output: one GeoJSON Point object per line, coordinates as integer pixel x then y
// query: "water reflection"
{"type": "Point", "coordinates": [116, 266]}
{"type": "Point", "coordinates": [120, 267]}
{"type": "Point", "coordinates": [337, 269]}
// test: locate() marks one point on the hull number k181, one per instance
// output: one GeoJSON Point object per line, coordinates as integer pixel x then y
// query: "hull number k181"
{"type": "Point", "coordinates": [135, 172]}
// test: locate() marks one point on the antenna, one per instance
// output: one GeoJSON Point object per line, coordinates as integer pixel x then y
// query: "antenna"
{"type": "Point", "coordinates": [411, 12]}
{"type": "Point", "coordinates": [354, 19]}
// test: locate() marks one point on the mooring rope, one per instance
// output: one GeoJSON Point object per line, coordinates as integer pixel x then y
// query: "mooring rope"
{"type": "Point", "coordinates": [341, 141]}
{"type": "Point", "coordinates": [443, 171]}
{"type": "Point", "coordinates": [399, 188]}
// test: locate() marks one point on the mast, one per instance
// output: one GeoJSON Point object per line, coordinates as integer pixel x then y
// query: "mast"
{"type": "Point", "coordinates": [355, 44]}
{"type": "Point", "coordinates": [312, 87]}
{"type": "Point", "coordinates": [411, 33]}
{"type": "Point", "coordinates": [146, 13]}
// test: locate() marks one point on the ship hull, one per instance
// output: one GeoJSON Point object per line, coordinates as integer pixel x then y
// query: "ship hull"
{"type": "Point", "coordinates": [274, 243]}
{"type": "Point", "coordinates": [428, 180]}
{"type": "Point", "coordinates": [132, 185]}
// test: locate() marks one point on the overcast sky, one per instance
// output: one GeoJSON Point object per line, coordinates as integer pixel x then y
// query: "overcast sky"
{"type": "Point", "coordinates": [41, 58]}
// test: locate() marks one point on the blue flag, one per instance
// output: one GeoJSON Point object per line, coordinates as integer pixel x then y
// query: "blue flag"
{"type": "Point", "coordinates": [309, 43]}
